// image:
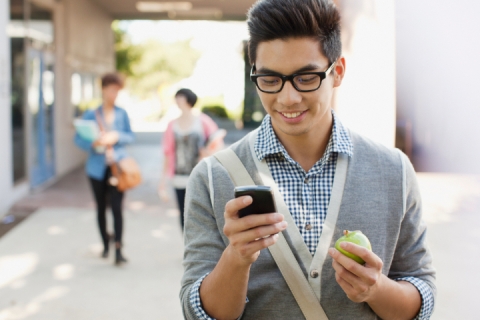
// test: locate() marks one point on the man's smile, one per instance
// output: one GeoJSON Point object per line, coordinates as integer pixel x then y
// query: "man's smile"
{"type": "Point", "coordinates": [292, 115]}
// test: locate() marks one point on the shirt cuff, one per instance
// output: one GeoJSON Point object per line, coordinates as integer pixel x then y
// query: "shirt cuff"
{"type": "Point", "coordinates": [427, 297]}
{"type": "Point", "coordinates": [195, 301]}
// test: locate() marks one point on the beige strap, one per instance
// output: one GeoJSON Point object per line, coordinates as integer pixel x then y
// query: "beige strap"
{"type": "Point", "coordinates": [316, 263]}
{"type": "Point", "coordinates": [330, 223]}
{"type": "Point", "coordinates": [280, 251]}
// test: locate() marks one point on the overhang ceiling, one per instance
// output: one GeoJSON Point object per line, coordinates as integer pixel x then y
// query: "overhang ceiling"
{"type": "Point", "coordinates": [200, 9]}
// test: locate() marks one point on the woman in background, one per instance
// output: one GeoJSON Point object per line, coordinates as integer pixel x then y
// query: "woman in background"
{"type": "Point", "coordinates": [187, 139]}
{"type": "Point", "coordinates": [108, 148]}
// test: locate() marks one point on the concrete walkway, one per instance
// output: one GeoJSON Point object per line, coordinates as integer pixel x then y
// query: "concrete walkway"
{"type": "Point", "coordinates": [50, 266]}
{"type": "Point", "coordinates": [452, 212]}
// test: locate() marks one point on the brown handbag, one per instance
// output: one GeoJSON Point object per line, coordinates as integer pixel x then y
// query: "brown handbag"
{"type": "Point", "coordinates": [126, 172]}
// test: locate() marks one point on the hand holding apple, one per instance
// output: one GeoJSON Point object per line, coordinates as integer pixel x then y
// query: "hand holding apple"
{"type": "Point", "coordinates": [356, 237]}
{"type": "Point", "coordinates": [360, 282]}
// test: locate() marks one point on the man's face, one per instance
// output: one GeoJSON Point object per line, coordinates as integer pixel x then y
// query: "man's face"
{"type": "Point", "coordinates": [295, 113]}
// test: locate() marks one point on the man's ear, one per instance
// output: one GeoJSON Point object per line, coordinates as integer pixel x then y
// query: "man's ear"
{"type": "Point", "coordinates": [339, 72]}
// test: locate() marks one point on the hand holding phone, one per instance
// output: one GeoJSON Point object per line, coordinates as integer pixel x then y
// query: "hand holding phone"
{"type": "Point", "coordinates": [248, 236]}
{"type": "Point", "coordinates": [262, 197]}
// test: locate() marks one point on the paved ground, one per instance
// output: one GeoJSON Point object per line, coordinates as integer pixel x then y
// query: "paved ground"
{"type": "Point", "coordinates": [452, 213]}
{"type": "Point", "coordinates": [49, 265]}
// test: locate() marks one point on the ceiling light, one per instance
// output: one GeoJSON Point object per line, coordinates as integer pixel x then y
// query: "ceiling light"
{"type": "Point", "coordinates": [204, 13]}
{"type": "Point", "coordinates": [163, 6]}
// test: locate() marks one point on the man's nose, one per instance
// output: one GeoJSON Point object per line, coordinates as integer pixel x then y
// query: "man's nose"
{"type": "Point", "coordinates": [289, 95]}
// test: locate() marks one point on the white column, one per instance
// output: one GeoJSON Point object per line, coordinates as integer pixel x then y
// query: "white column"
{"type": "Point", "coordinates": [5, 111]}
{"type": "Point", "coordinates": [366, 99]}
{"type": "Point", "coordinates": [437, 82]}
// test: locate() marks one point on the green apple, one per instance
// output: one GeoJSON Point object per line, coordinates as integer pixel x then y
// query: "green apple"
{"type": "Point", "coordinates": [356, 237]}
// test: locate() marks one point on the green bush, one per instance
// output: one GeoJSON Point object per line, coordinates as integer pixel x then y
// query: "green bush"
{"type": "Point", "coordinates": [215, 111]}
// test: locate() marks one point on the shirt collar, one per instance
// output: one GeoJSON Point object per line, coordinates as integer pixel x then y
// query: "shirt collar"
{"type": "Point", "coordinates": [267, 142]}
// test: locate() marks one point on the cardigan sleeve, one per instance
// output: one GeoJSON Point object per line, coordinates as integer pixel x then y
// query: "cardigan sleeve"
{"type": "Point", "coordinates": [204, 244]}
{"type": "Point", "coordinates": [168, 143]}
{"type": "Point", "coordinates": [209, 126]}
{"type": "Point", "coordinates": [412, 259]}
{"type": "Point", "coordinates": [168, 140]}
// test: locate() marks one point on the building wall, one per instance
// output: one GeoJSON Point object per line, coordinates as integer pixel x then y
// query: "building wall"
{"type": "Point", "coordinates": [365, 101]}
{"type": "Point", "coordinates": [437, 82]}
{"type": "Point", "coordinates": [84, 43]}
{"type": "Point", "coordinates": [49, 4]}
{"type": "Point", "coordinates": [5, 112]}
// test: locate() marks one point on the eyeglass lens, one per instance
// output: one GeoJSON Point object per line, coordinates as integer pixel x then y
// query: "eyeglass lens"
{"type": "Point", "coordinates": [303, 82]}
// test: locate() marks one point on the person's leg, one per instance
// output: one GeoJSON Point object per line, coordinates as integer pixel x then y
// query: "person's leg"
{"type": "Point", "coordinates": [116, 198]}
{"type": "Point", "coordinates": [99, 189]}
{"type": "Point", "coordinates": [116, 203]}
{"type": "Point", "coordinates": [181, 205]}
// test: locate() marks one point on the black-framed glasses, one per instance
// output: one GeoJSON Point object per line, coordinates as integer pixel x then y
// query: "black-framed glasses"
{"type": "Point", "coordinates": [302, 81]}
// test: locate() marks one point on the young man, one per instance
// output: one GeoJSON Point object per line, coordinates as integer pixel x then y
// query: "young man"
{"type": "Point", "coordinates": [295, 51]}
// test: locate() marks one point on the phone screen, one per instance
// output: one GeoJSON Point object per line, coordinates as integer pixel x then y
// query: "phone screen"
{"type": "Point", "coordinates": [262, 196]}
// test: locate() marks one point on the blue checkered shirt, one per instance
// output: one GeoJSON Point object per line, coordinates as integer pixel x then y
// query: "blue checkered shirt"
{"type": "Point", "coordinates": [307, 195]}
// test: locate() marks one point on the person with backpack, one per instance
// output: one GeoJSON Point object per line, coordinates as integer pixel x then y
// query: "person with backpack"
{"type": "Point", "coordinates": [325, 178]}
{"type": "Point", "coordinates": [187, 139]}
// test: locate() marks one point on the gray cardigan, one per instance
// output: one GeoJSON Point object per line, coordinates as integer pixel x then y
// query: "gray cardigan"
{"type": "Point", "coordinates": [380, 197]}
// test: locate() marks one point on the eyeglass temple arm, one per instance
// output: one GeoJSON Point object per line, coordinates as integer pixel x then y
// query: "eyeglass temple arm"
{"type": "Point", "coordinates": [330, 68]}
{"type": "Point", "coordinates": [252, 70]}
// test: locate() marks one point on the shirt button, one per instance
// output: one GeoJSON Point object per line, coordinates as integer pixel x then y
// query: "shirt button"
{"type": "Point", "coordinates": [314, 273]}
{"type": "Point", "coordinates": [306, 180]}
{"type": "Point", "coordinates": [308, 227]}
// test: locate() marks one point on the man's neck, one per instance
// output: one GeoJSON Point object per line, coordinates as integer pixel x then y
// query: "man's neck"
{"type": "Point", "coordinates": [307, 149]}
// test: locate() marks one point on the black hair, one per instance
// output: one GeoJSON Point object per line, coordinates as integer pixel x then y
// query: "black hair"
{"type": "Point", "coordinates": [281, 19]}
{"type": "Point", "coordinates": [189, 95]}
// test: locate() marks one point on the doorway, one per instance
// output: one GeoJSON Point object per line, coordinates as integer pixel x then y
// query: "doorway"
{"type": "Point", "coordinates": [41, 98]}
{"type": "Point", "coordinates": [40, 94]}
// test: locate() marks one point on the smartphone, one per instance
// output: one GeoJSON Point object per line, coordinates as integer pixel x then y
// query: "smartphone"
{"type": "Point", "coordinates": [262, 200]}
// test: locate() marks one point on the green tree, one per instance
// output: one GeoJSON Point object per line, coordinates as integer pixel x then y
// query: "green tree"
{"type": "Point", "coordinates": [126, 53]}
{"type": "Point", "coordinates": [153, 64]}
{"type": "Point", "coordinates": [161, 65]}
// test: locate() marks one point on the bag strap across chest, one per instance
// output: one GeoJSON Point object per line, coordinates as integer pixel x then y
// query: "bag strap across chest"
{"type": "Point", "coordinates": [280, 251]}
